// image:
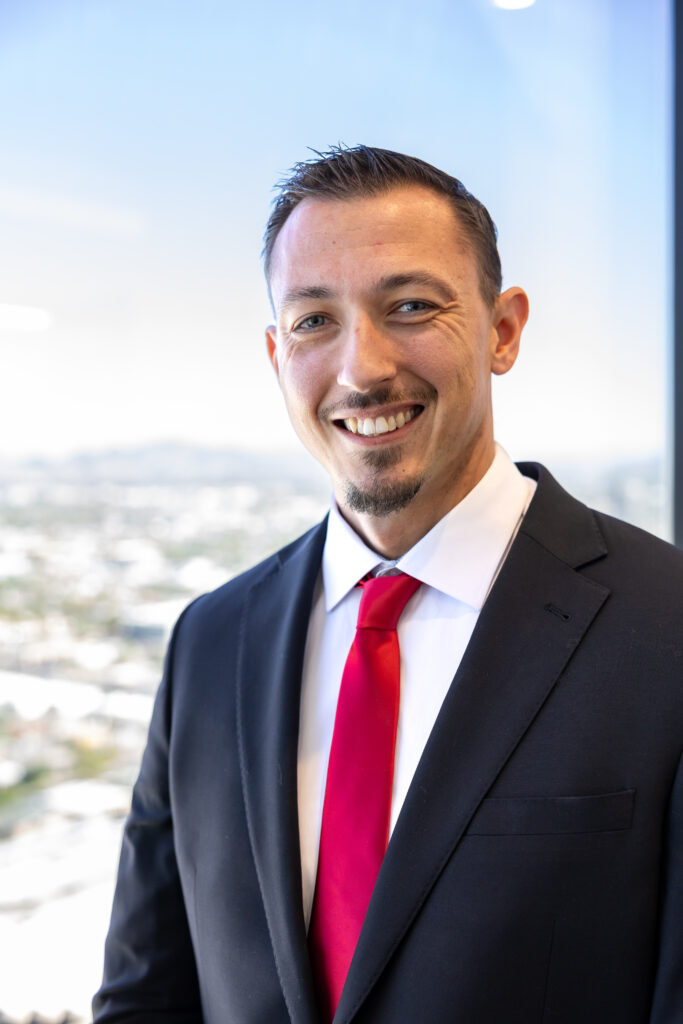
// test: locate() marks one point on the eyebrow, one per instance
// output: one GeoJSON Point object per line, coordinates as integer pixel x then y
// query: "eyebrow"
{"type": "Point", "coordinates": [385, 284]}
{"type": "Point", "coordinates": [307, 292]}
{"type": "Point", "coordinates": [393, 281]}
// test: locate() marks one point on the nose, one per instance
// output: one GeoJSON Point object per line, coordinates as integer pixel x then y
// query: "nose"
{"type": "Point", "coordinates": [369, 357]}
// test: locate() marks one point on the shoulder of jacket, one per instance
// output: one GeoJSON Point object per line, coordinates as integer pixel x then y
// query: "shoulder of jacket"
{"type": "Point", "coordinates": [227, 599]}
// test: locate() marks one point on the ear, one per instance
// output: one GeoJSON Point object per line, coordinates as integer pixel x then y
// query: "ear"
{"type": "Point", "coordinates": [510, 314]}
{"type": "Point", "coordinates": [271, 345]}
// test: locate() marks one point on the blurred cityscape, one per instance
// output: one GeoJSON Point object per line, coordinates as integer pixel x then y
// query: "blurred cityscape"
{"type": "Point", "coordinates": [98, 555]}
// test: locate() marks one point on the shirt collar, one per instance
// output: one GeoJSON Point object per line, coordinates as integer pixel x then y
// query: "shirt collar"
{"type": "Point", "coordinates": [460, 556]}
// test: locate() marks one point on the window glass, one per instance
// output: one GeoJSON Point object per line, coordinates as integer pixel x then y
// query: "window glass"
{"type": "Point", "coordinates": [145, 454]}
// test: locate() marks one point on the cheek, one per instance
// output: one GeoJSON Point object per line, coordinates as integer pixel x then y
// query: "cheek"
{"type": "Point", "coordinates": [461, 384]}
{"type": "Point", "coordinates": [447, 368]}
{"type": "Point", "coordinates": [445, 356]}
{"type": "Point", "coordinates": [303, 383]}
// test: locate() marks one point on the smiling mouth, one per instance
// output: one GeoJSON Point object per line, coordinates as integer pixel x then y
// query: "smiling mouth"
{"type": "Point", "coordinates": [370, 426]}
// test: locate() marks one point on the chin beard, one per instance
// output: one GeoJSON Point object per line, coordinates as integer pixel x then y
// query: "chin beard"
{"type": "Point", "coordinates": [381, 499]}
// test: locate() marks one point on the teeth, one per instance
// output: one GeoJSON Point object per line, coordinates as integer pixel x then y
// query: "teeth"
{"type": "Point", "coordinates": [382, 425]}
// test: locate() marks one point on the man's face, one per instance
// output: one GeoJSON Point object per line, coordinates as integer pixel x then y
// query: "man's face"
{"type": "Point", "coordinates": [384, 349]}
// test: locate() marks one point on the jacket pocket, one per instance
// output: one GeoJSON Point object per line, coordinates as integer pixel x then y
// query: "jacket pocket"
{"type": "Point", "coordinates": [553, 815]}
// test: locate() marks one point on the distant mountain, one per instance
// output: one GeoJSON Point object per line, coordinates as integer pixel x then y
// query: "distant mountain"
{"type": "Point", "coordinates": [168, 462]}
{"type": "Point", "coordinates": [636, 490]}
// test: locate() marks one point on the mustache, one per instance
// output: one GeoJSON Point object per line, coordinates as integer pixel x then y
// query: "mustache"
{"type": "Point", "coordinates": [359, 400]}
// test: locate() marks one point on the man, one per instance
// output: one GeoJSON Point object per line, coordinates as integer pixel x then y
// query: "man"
{"type": "Point", "coordinates": [533, 799]}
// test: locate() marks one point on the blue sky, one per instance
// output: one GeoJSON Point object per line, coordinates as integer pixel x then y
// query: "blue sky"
{"type": "Point", "coordinates": [140, 142]}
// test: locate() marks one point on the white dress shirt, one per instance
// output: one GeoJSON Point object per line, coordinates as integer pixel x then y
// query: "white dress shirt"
{"type": "Point", "coordinates": [457, 562]}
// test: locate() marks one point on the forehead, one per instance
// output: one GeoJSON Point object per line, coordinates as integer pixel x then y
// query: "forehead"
{"type": "Point", "coordinates": [330, 242]}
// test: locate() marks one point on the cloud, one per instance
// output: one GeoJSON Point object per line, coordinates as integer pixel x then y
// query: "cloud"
{"type": "Point", "coordinates": [24, 318]}
{"type": "Point", "coordinates": [67, 211]}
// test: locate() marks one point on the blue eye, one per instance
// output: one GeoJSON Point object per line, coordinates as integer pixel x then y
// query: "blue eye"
{"type": "Point", "coordinates": [312, 322]}
{"type": "Point", "coordinates": [413, 306]}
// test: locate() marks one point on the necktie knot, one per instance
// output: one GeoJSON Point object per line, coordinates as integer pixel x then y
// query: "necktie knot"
{"type": "Point", "coordinates": [383, 600]}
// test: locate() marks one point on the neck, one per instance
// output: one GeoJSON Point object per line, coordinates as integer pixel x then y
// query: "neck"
{"type": "Point", "coordinates": [393, 534]}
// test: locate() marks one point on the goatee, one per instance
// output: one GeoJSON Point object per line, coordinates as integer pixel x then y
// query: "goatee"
{"type": "Point", "coordinates": [380, 498]}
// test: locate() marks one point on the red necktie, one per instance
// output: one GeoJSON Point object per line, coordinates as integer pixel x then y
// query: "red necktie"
{"type": "Point", "coordinates": [357, 807]}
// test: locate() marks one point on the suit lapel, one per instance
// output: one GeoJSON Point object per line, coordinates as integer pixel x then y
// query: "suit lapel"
{"type": "Point", "coordinates": [535, 617]}
{"type": "Point", "coordinates": [272, 641]}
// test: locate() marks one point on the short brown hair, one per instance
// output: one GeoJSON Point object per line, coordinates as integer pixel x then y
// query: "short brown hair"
{"type": "Point", "coordinates": [349, 173]}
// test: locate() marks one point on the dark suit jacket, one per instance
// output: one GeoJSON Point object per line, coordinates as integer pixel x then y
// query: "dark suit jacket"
{"type": "Point", "coordinates": [535, 874]}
